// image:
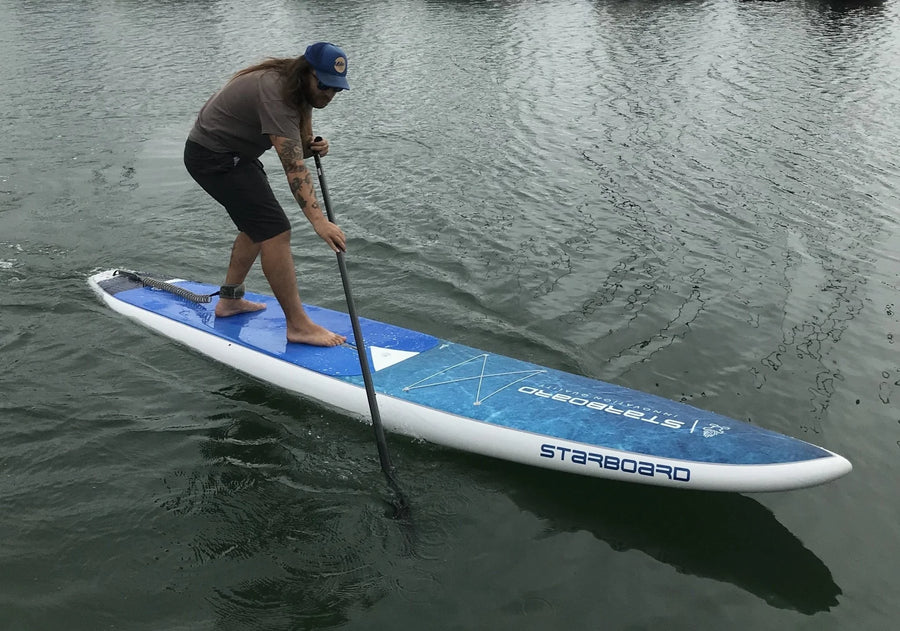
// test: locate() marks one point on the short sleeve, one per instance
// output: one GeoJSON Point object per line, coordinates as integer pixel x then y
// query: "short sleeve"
{"type": "Point", "coordinates": [275, 116]}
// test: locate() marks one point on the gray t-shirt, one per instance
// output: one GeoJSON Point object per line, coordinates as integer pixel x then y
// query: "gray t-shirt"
{"type": "Point", "coordinates": [239, 117]}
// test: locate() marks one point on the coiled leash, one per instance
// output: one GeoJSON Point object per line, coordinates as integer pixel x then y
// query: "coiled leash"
{"type": "Point", "coordinates": [231, 292]}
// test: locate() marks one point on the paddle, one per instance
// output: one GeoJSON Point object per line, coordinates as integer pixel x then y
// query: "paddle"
{"type": "Point", "coordinates": [401, 505]}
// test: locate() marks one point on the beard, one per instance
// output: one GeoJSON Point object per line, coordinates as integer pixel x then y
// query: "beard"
{"type": "Point", "coordinates": [313, 96]}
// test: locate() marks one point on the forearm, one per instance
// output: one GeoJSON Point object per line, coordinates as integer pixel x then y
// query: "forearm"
{"type": "Point", "coordinates": [301, 182]}
{"type": "Point", "coordinates": [300, 179]}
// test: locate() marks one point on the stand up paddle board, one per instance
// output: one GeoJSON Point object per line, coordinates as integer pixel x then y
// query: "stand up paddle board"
{"type": "Point", "coordinates": [481, 402]}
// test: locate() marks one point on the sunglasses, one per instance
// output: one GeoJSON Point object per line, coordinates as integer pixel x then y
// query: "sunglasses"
{"type": "Point", "coordinates": [324, 87]}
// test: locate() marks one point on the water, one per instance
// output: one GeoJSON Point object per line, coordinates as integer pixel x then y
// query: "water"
{"type": "Point", "coordinates": [695, 199]}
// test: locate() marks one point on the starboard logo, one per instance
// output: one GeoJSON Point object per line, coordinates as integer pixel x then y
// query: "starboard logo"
{"type": "Point", "coordinates": [637, 415]}
{"type": "Point", "coordinates": [714, 429]}
{"type": "Point", "coordinates": [608, 462]}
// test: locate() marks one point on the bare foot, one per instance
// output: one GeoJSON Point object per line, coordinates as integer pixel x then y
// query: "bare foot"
{"type": "Point", "coordinates": [227, 307]}
{"type": "Point", "coordinates": [315, 335]}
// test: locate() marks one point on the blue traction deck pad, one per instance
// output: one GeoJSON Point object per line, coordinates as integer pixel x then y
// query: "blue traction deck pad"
{"type": "Point", "coordinates": [491, 388]}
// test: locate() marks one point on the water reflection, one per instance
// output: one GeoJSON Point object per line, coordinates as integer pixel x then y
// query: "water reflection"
{"type": "Point", "coordinates": [722, 536]}
{"type": "Point", "coordinates": [863, 7]}
{"type": "Point", "coordinates": [290, 523]}
{"type": "Point", "coordinates": [304, 539]}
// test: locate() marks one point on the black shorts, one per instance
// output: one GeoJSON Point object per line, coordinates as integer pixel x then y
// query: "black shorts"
{"type": "Point", "coordinates": [241, 186]}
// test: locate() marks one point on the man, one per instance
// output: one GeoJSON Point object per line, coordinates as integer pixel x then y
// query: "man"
{"type": "Point", "coordinates": [265, 105]}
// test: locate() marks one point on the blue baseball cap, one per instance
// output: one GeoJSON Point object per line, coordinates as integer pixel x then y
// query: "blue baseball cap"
{"type": "Point", "coordinates": [330, 64]}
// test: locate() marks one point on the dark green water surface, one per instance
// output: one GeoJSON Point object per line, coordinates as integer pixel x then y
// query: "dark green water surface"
{"type": "Point", "coordinates": [700, 200]}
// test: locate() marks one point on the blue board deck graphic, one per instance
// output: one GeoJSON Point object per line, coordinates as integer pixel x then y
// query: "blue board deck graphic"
{"type": "Point", "coordinates": [487, 403]}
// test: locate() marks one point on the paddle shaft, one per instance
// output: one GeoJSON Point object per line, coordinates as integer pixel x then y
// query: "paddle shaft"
{"type": "Point", "coordinates": [380, 440]}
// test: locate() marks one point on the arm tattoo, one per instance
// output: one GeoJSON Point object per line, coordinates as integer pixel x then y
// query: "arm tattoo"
{"type": "Point", "coordinates": [297, 182]}
{"type": "Point", "coordinates": [291, 154]}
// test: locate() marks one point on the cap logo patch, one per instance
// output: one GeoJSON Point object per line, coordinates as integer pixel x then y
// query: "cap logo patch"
{"type": "Point", "coordinates": [340, 65]}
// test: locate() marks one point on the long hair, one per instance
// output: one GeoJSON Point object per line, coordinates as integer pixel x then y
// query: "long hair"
{"type": "Point", "coordinates": [293, 72]}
